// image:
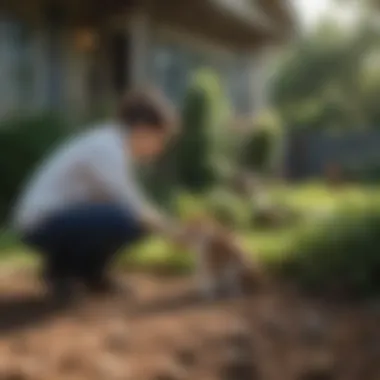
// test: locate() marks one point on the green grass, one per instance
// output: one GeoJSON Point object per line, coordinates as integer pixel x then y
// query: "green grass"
{"type": "Point", "coordinates": [312, 200]}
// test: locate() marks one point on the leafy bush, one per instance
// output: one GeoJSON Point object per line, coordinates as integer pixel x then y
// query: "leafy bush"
{"type": "Point", "coordinates": [262, 149]}
{"type": "Point", "coordinates": [23, 142]}
{"type": "Point", "coordinates": [195, 146]}
{"type": "Point", "coordinates": [274, 216]}
{"type": "Point", "coordinates": [219, 105]}
{"type": "Point", "coordinates": [366, 172]}
{"type": "Point", "coordinates": [340, 253]}
{"type": "Point", "coordinates": [228, 208]}
{"type": "Point", "coordinates": [220, 204]}
{"type": "Point", "coordinates": [159, 181]}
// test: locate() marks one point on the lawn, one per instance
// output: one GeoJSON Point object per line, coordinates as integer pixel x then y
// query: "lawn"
{"type": "Point", "coordinates": [312, 201]}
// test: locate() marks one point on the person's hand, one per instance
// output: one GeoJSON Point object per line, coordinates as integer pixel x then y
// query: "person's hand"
{"type": "Point", "coordinates": [180, 238]}
{"type": "Point", "coordinates": [170, 229]}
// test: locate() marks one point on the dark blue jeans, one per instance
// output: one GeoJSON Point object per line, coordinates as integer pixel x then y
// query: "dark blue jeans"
{"type": "Point", "coordinates": [80, 242]}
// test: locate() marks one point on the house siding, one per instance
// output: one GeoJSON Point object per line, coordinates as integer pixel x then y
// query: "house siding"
{"type": "Point", "coordinates": [310, 153]}
{"type": "Point", "coordinates": [25, 68]}
{"type": "Point", "coordinates": [171, 67]}
{"type": "Point", "coordinates": [63, 77]}
{"type": "Point", "coordinates": [12, 51]}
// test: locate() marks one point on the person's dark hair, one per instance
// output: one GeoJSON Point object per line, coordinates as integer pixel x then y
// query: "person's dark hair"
{"type": "Point", "coordinates": [147, 107]}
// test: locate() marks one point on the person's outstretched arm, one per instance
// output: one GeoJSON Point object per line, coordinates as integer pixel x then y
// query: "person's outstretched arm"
{"type": "Point", "coordinates": [113, 177]}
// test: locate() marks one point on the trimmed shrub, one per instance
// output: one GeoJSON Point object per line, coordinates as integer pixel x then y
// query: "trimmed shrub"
{"type": "Point", "coordinates": [262, 150]}
{"type": "Point", "coordinates": [219, 204]}
{"type": "Point", "coordinates": [159, 181]}
{"type": "Point", "coordinates": [23, 143]}
{"type": "Point", "coordinates": [274, 216]}
{"type": "Point", "coordinates": [194, 153]}
{"type": "Point", "coordinates": [341, 253]}
{"type": "Point", "coordinates": [227, 208]}
{"type": "Point", "coordinates": [366, 172]}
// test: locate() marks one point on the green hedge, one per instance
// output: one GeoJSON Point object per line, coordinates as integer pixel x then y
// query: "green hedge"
{"type": "Point", "coordinates": [365, 172]}
{"type": "Point", "coordinates": [194, 166]}
{"type": "Point", "coordinates": [339, 253]}
{"type": "Point", "coordinates": [262, 149]}
{"type": "Point", "coordinates": [23, 143]}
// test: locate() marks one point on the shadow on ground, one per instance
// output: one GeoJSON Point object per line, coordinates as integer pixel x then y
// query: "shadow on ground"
{"type": "Point", "coordinates": [163, 305]}
{"type": "Point", "coordinates": [17, 313]}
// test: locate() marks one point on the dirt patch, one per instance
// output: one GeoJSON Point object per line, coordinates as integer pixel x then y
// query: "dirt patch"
{"type": "Point", "coordinates": [165, 332]}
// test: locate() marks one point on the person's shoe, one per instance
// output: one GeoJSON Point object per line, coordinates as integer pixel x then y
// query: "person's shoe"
{"type": "Point", "coordinates": [61, 291]}
{"type": "Point", "coordinates": [106, 285]}
{"type": "Point", "coordinates": [101, 285]}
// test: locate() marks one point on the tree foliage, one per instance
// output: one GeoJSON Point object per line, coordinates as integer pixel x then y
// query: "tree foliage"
{"type": "Point", "coordinates": [323, 81]}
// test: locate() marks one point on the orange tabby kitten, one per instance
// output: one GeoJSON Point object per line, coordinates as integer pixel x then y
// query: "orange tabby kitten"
{"type": "Point", "coordinates": [222, 265]}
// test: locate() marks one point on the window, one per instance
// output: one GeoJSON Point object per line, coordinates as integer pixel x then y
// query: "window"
{"type": "Point", "coordinates": [16, 70]}
{"type": "Point", "coordinates": [170, 69]}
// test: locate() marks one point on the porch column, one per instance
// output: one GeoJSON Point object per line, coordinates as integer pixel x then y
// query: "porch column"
{"type": "Point", "coordinates": [138, 37]}
{"type": "Point", "coordinates": [259, 80]}
{"type": "Point", "coordinates": [75, 74]}
{"type": "Point", "coordinates": [55, 20]}
{"type": "Point", "coordinates": [40, 66]}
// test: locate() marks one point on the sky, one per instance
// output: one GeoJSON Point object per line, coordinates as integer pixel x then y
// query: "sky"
{"type": "Point", "coordinates": [312, 10]}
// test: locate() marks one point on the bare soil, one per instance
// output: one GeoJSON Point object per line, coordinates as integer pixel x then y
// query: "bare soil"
{"type": "Point", "coordinates": [164, 331]}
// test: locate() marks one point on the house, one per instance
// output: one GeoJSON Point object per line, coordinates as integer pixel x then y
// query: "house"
{"type": "Point", "coordinates": [80, 55]}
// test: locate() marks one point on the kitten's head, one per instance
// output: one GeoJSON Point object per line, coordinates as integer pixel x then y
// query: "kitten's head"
{"type": "Point", "coordinates": [206, 225]}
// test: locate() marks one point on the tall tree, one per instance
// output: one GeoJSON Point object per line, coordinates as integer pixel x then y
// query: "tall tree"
{"type": "Point", "coordinates": [320, 82]}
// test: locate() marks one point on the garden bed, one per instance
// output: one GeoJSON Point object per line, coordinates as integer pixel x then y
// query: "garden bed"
{"type": "Point", "coordinates": [166, 332]}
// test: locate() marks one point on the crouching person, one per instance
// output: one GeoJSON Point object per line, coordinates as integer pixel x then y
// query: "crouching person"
{"type": "Point", "coordinates": [84, 204]}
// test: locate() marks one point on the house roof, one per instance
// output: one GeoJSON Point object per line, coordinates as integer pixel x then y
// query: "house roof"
{"type": "Point", "coordinates": [282, 13]}
{"type": "Point", "coordinates": [247, 10]}
{"type": "Point", "coordinates": [274, 18]}
{"type": "Point", "coordinates": [238, 23]}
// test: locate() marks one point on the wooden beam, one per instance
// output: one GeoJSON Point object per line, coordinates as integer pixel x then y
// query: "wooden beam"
{"type": "Point", "coordinates": [200, 18]}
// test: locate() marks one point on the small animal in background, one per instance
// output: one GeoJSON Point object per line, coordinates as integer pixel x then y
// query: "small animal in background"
{"type": "Point", "coordinates": [223, 267]}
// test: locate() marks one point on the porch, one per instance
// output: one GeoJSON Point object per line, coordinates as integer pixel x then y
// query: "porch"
{"type": "Point", "coordinates": [81, 55]}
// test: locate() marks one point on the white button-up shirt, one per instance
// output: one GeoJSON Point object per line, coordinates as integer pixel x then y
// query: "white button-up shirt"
{"type": "Point", "coordinates": [91, 167]}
